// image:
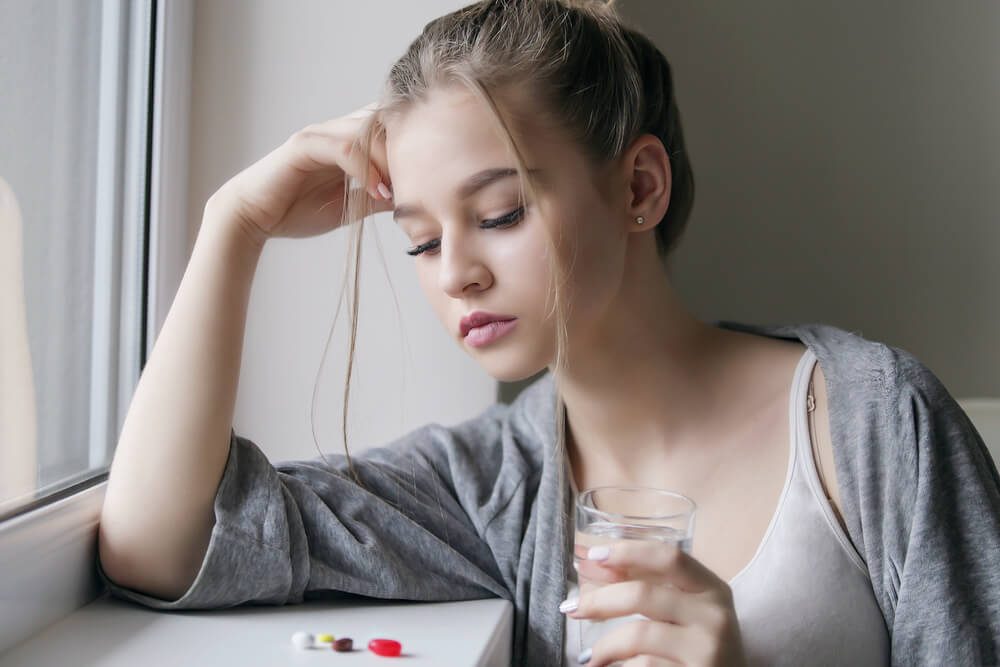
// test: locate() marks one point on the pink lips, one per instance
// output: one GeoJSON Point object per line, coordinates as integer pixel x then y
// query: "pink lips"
{"type": "Point", "coordinates": [480, 328]}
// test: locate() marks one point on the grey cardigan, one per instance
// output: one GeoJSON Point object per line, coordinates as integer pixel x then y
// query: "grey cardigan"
{"type": "Point", "coordinates": [481, 509]}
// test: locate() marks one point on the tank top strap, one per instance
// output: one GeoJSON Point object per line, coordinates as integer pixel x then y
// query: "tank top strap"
{"type": "Point", "coordinates": [805, 461]}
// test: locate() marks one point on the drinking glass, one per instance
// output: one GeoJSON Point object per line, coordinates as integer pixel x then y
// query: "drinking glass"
{"type": "Point", "coordinates": [605, 514]}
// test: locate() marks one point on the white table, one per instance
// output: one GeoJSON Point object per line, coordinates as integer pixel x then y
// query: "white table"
{"type": "Point", "coordinates": [110, 632]}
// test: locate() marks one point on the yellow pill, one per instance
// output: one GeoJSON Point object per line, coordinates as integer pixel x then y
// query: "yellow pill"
{"type": "Point", "coordinates": [326, 639]}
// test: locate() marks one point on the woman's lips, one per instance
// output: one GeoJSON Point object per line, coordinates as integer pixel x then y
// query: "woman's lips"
{"type": "Point", "coordinates": [487, 333]}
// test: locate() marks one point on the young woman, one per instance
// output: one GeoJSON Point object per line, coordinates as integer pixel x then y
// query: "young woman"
{"type": "Point", "coordinates": [531, 150]}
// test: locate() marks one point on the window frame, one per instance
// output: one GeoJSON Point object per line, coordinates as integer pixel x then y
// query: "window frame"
{"type": "Point", "coordinates": [48, 549]}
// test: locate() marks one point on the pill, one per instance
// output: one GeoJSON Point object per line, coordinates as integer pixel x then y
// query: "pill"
{"type": "Point", "coordinates": [343, 645]}
{"type": "Point", "coordinates": [385, 647]}
{"type": "Point", "coordinates": [324, 639]}
{"type": "Point", "coordinates": [302, 640]}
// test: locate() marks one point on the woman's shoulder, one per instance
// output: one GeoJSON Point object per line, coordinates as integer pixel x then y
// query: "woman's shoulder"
{"type": "Point", "coordinates": [859, 370]}
{"type": "Point", "coordinates": [892, 419]}
{"type": "Point", "coordinates": [886, 408]}
{"type": "Point", "coordinates": [866, 375]}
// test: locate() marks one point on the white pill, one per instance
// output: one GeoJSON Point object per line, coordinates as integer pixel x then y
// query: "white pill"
{"type": "Point", "coordinates": [302, 640]}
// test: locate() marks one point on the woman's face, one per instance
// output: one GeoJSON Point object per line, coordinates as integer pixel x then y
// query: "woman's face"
{"type": "Point", "coordinates": [480, 251]}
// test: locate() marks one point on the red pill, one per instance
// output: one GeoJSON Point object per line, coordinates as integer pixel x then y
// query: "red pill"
{"type": "Point", "coordinates": [385, 647]}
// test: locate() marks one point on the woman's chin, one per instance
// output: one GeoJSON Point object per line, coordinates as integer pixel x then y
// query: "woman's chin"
{"type": "Point", "coordinates": [514, 371]}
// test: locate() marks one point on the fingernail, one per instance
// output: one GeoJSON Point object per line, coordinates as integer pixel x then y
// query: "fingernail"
{"type": "Point", "coordinates": [576, 566]}
{"type": "Point", "coordinates": [568, 605]}
{"type": "Point", "coordinates": [384, 191]}
{"type": "Point", "coordinates": [585, 656]}
{"type": "Point", "coordinates": [598, 553]}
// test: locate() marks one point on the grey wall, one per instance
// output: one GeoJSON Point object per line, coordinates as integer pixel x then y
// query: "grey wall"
{"type": "Point", "coordinates": [846, 160]}
{"type": "Point", "coordinates": [262, 70]}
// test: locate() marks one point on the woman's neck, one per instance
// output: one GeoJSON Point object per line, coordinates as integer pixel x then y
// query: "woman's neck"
{"type": "Point", "coordinates": [642, 385]}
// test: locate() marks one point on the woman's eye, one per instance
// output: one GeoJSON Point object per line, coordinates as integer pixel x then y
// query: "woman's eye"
{"type": "Point", "coordinates": [423, 247]}
{"type": "Point", "coordinates": [508, 220]}
{"type": "Point", "coordinates": [504, 221]}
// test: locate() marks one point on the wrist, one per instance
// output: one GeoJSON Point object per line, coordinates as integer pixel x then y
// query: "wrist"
{"type": "Point", "coordinates": [220, 217]}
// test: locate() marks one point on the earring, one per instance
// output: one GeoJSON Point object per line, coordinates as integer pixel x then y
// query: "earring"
{"type": "Point", "coordinates": [640, 220]}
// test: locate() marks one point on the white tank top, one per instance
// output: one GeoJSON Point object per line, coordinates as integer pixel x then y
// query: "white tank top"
{"type": "Point", "coordinates": [805, 597]}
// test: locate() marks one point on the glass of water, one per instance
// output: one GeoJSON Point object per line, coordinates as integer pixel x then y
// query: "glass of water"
{"type": "Point", "coordinates": [606, 514]}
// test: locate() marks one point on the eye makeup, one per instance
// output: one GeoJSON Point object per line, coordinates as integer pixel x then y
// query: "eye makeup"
{"type": "Point", "coordinates": [504, 221]}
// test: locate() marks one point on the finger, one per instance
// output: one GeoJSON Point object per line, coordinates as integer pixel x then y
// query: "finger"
{"type": "Point", "coordinates": [655, 602]}
{"type": "Point", "coordinates": [339, 141]}
{"type": "Point", "coordinates": [379, 156]}
{"type": "Point", "coordinates": [370, 114]}
{"type": "Point", "coordinates": [593, 572]}
{"type": "Point", "coordinates": [314, 149]}
{"type": "Point", "coordinates": [638, 638]}
{"type": "Point", "coordinates": [376, 153]}
{"type": "Point", "coordinates": [378, 183]}
{"type": "Point", "coordinates": [381, 205]}
{"type": "Point", "coordinates": [660, 561]}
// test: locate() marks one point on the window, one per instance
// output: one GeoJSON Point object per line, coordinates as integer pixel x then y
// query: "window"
{"type": "Point", "coordinates": [75, 137]}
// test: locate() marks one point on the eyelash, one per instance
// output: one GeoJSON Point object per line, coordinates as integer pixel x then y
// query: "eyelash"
{"type": "Point", "coordinates": [508, 220]}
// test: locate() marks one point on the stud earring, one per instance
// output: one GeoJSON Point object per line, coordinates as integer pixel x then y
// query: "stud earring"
{"type": "Point", "coordinates": [640, 220]}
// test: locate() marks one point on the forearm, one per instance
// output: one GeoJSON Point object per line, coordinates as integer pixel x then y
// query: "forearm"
{"type": "Point", "coordinates": [158, 509]}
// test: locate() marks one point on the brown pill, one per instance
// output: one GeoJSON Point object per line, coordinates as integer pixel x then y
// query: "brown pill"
{"type": "Point", "coordinates": [343, 645]}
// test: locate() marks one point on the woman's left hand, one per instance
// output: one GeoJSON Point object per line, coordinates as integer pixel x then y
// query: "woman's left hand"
{"type": "Point", "coordinates": [692, 618]}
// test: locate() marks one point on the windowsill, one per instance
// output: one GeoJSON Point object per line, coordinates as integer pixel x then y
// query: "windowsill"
{"type": "Point", "coordinates": [49, 614]}
{"type": "Point", "coordinates": [109, 631]}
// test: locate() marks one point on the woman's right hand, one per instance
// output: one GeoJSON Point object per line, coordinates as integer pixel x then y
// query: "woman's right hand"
{"type": "Point", "coordinates": [297, 190]}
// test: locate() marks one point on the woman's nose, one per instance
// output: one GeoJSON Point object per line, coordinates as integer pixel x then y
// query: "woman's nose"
{"type": "Point", "coordinates": [461, 269]}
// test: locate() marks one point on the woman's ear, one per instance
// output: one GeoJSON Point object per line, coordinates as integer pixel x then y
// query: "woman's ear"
{"type": "Point", "coordinates": [648, 177]}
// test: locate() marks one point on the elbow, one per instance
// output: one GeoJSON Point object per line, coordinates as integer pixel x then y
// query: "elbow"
{"type": "Point", "coordinates": [138, 566]}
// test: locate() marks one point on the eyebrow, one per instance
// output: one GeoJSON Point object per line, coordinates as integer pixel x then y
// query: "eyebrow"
{"type": "Point", "coordinates": [472, 185]}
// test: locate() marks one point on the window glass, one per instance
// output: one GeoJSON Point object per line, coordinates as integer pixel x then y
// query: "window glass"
{"type": "Point", "coordinates": [70, 238]}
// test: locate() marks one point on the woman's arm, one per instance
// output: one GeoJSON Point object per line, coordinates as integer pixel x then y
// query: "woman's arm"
{"type": "Point", "coordinates": [932, 517]}
{"type": "Point", "coordinates": [158, 512]}
{"type": "Point", "coordinates": [158, 515]}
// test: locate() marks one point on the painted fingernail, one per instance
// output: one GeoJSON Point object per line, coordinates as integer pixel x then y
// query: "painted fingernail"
{"type": "Point", "coordinates": [384, 191]}
{"type": "Point", "coordinates": [585, 656]}
{"type": "Point", "coordinates": [598, 553]}
{"type": "Point", "coordinates": [569, 605]}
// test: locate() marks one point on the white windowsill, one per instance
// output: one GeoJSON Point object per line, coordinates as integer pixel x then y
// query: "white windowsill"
{"type": "Point", "coordinates": [68, 619]}
{"type": "Point", "coordinates": [111, 632]}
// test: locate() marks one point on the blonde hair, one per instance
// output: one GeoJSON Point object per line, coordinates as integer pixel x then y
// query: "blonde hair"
{"type": "Point", "coordinates": [597, 79]}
